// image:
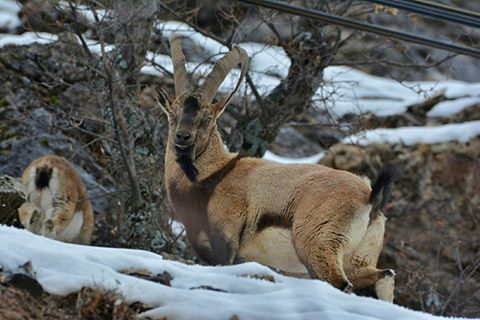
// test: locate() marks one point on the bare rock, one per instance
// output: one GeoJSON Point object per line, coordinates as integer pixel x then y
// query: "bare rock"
{"type": "Point", "coordinates": [11, 197]}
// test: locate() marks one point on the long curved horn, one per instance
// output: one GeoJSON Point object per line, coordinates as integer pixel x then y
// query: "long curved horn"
{"type": "Point", "coordinates": [179, 70]}
{"type": "Point", "coordinates": [221, 69]}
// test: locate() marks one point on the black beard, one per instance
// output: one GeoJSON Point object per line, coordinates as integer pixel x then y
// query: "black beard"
{"type": "Point", "coordinates": [185, 161]}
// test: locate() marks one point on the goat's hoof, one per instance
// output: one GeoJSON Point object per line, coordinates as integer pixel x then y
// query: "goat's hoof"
{"type": "Point", "coordinates": [348, 287]}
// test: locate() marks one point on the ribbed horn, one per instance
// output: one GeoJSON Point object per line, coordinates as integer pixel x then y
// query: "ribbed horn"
{"type": "Point", "coordinates": [179, 70]}
{"type": "Point", "coordinates": [220, 71]}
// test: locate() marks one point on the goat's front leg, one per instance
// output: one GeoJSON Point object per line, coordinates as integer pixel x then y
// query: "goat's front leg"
{"type": "Point", "coordinates": [225, 233]}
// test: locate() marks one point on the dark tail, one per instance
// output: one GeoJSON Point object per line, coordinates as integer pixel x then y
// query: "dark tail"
{"type": "Point", "coordinates": [381, 188]}
{"type": "Point", "coordinates": [42, 177]}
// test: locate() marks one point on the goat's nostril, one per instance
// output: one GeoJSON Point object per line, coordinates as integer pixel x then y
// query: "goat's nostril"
{"type": "Point", "coordinates": [183, 136]}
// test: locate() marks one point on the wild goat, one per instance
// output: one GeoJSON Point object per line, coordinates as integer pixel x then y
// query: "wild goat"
{"type": "Point", "coordinates": [299, 218]}
{"type": "Point", "coordinates": [56, 204]}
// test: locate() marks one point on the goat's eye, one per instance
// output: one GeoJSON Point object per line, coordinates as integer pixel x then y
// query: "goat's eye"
{"type": "Point", "coordinates": [207, 121]}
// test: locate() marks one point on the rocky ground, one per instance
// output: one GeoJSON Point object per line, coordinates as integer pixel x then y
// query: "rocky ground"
{"type": "Point", "coordinates": [47, 105]}
{"type": "Point", "coordinates": [86, 304]}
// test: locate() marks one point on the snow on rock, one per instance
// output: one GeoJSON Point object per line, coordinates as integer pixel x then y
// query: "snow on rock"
{"type": "Point", "coordinates": [356, 92]}
{"type": "Point", "coordinates": [461, 132]}
{"type": "Point", "coordinates": [26, 38]}
{"type": "Point", "coordinates": [347, 90]}
{"type": "Point", "coordinates": [10, 6]}
{"type": "Point", "coordinates": [449, 107]}
{"type": "Point", "coordinates": [353, 91]}
{"type": "Point", "coordinates": [177, 227]}
{"type": "Point", "coordinates": [9, 19]}
{"type": "Point", "coordinates": [210, 45]}
{"type": "Point", "coordinates": [63, 268]}
{"type": "Point", "coordinates": [267, 59]}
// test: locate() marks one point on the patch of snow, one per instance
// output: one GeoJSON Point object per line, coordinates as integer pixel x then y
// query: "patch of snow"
{"type": "Point", "coordinates": [26, 38]}
{"type": "Point", "coordinates": [352, 91]}
{"type": "Point", "coordinates": [345, 91]}
{"type": "Point", "coordinates": [9, 10]}
{"type": "Point", "coordinates": [95, 46]}
{"type": "Point", "coordinates": [85, 11]}
{"type": "Point", "coordinates": [449, 107]}
{"type": "Point", "coordinates": [356, 92]}
{"type": "Point", "coordinates": [461, 132]}
{"type": "Point", "coordinates": [10, 6]}
{"type": "Point", "coordinates": [267, 59]}
{"type": "Point", "coordinates": [9, 20]}
{"type": "Point", "coordinates": [63, 268]}
{"type": "Point", "coordinates": [210, 45]}
{"type": "Point", "coordinates": [160, 59]}
{"type": "Point", "coordinates": [457, 89]}
{"type": "Point", "coordinates": [276, 158]}
{"type": "Point", "coordinates": [177, 227]}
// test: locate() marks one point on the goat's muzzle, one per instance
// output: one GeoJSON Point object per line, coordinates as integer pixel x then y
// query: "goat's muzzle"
{"type": "Point", "coordinates": [183, 139]}
{"type": "Point", "coordinates": [184, 144]}
{"type": "Point", "coordinates": [183, 150]}
{"type": "Point", "coordinates": [185, 156]}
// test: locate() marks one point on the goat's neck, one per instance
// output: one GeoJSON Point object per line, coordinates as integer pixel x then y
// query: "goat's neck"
{"type": "Point", "coordinates": [212, 159]}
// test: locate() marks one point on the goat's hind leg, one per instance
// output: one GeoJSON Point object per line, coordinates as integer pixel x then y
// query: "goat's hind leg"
{"type": "Point", "coordinates": [362, 265]}
{"type": "Point", "coordinates": [321, 242]}
{"type": "Point", "coordinates": [370, 281]}
{"type": "Point", "coordinates": [323, 259]}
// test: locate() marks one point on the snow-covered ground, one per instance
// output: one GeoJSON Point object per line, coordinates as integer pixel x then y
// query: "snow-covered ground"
{"type": "Point", "coordinates": [63, 268]}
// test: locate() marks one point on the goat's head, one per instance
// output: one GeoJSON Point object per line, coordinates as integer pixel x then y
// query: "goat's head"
{"type": "Point", "coordinates": [192, 115]}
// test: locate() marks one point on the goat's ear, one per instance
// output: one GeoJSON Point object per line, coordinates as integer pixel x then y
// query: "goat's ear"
{"type": "Point", "coordinates": [163, 100]}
